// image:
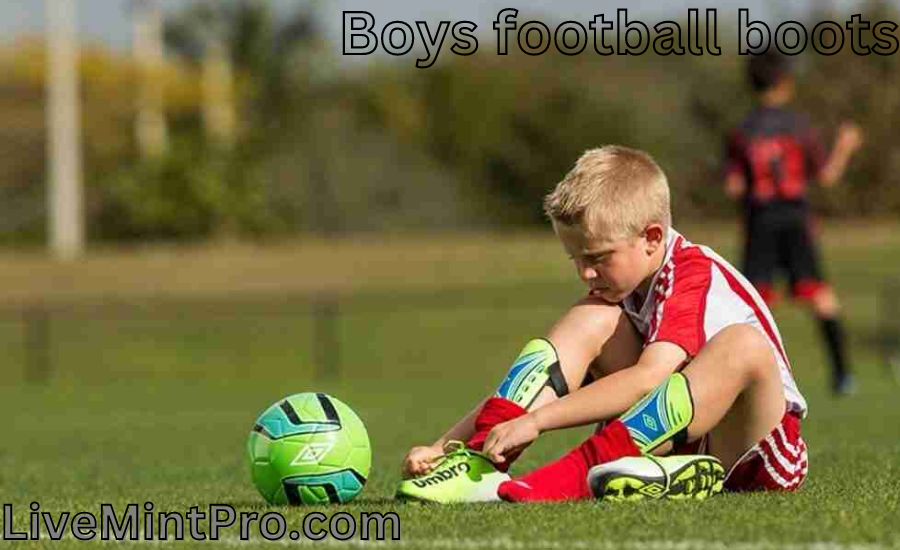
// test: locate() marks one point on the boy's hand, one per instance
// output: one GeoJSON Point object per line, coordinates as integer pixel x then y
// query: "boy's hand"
{"type": "Point", "coordinates": [421, 460]}
{"type": "Point", "coordinates": [849, 137]}
{"type": "Point", "coordinates": [509, 436]}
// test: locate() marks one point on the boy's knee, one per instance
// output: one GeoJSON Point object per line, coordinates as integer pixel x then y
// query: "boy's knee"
{"type": "Point", "coordinates": [598, 334]}
{"type": "Point", "coordinates": [602, 316]}
{"type": "Point", "coordinates": [748, 348]}
{"type": "Point", "coordinates": [606, 325]}
{"type": "Point", "coordinates": [825, 304]}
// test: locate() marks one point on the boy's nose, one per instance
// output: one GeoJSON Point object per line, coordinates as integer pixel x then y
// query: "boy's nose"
{"type": "Point", "coordinates": [588, 274]}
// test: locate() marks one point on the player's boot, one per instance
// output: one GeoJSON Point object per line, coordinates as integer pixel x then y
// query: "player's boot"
{"type": "Point", "coordinates": [463, 475]}
{"type": "Point", "coordinates": [844, 385]}
{"type": "Point", "coordinates": [677, 477]}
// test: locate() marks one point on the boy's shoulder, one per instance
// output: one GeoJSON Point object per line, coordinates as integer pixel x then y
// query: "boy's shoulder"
{"type": "Point", "coordinates": [685, 253]}
{"type": "Point", "coordinates": [692, 272]}
{"type": "Point", "coordinates": [694, 294]}
{"type": "Point", "coordinates": [768, 121]}
{"type": "Point", "coordinates": [685, 269]}
{"type": "Point", "coordinates": [691, 260]}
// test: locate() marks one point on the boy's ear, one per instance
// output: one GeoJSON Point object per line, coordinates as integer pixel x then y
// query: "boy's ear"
{"type": "Point", "coordinates": [654, 234]}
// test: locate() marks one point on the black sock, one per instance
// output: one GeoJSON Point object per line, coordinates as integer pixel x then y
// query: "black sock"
{"type": "Point", "coordinates": [833, 331]}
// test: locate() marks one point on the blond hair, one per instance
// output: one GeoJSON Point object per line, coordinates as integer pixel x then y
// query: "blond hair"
{"type": "Point", "coordinates": [613, 191]}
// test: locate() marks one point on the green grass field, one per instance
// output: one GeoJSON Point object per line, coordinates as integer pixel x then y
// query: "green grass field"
{"type": "Point", "coordinates": [154, 403]}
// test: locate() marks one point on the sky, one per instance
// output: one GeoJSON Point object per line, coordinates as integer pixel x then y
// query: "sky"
{"type": "Point", "coordinates": [107, 21]}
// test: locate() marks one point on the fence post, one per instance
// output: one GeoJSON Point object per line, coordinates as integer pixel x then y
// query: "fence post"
{"type": "Point", "coordinates": [326, 337]}
{"type": "Point", "coordinates": [36, 323]}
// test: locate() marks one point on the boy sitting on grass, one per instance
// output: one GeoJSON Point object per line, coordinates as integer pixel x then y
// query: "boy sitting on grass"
{"type": "Point", "coordinates": [672, 353]}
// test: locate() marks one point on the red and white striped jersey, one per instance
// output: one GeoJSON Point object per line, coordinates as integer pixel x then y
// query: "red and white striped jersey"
{"type": "Point", "coordinates": [696, 294]}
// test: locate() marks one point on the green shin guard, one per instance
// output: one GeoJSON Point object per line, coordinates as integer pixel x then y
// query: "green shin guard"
{"type": "Point", "coordinates": [662, 415]}
{"type": "Point", "coordinates": [536, 367]}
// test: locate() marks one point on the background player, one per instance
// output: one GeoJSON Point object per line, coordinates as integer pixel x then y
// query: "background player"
{"type": "Point", "coordinates": [772, 158]}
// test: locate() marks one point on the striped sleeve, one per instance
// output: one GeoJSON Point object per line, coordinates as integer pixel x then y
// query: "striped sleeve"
{"type": "Point", "coordinates": [681, 303]}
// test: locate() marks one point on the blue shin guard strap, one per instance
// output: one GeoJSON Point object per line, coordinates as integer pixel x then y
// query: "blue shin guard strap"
{"type": "Point", "coordinates": [536, 367]}
{"type": "Point", "coordinates": [662, 415]}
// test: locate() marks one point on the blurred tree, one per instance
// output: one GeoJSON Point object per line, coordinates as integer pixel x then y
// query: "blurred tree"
{"type": "Point", "coordinates": [510, 127]}
{"type": "Point", "coordinates": [262, 50]}
{"type": "Point", "coordinates": [215, 185]}
{"type": "Point", "coordinates": [472, 142]}
{"type": "Point", "coordinates": [108, 81]}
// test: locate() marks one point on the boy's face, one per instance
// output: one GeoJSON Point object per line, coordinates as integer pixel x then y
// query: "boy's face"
{"type": "Point", "coordinates": [781, 93]}
{"type": "Point", "coordinates": [612, 268]}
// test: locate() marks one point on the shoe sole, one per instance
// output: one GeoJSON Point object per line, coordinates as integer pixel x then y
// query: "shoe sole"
{"type": "Point", "coordinates": [696, 480]}
{"type": "Point", "coordinates": [405, 498]}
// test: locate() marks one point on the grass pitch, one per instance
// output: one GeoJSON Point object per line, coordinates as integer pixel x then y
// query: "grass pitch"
{"type": "Point", "coordinates": [149, 403]}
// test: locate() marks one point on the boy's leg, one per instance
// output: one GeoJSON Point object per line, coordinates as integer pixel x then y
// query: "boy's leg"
{"type": "Point", "coordinates": [737, 391]}
{"type": "Point", "coordinates": [826, 308]}
{"type": "Point", "coordinates": [732, 391]}
{"type": "Point", "coordinates": [761, 255]}
{"type": "Point", "coordinates": [809, 286]}
{"type": "Point", "coordinates": [592, 334]}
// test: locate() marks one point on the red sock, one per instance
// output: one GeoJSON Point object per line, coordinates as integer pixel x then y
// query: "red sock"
{"type": "Point", "coordinates": [566, 479]}
{"type": "Point", "coordinates": [496, 410]}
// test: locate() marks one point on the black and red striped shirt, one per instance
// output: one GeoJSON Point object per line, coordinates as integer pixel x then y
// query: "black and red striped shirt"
{"type": "Point", "coordinates": [778, 153]}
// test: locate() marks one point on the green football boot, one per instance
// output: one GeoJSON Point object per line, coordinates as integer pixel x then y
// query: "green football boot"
{"type": "Point", "coordinates": [463, 475]}
{"type": "Point", "coordinates": [677, 477]}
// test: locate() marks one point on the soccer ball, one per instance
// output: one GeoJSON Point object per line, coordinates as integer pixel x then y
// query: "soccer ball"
{"type": "Point", "coordinates": [309, 448]}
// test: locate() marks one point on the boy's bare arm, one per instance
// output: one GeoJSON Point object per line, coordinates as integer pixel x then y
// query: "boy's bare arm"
{"type": "Point", "coordinates": [612, 395]}
{"type": "Point", "coordinates": [735, 186]}
{"type": "Point", "coordinates": [848, 141]}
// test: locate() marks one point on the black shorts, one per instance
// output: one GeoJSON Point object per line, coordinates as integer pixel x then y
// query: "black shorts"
{"type": "Point", "coordinates": [778, 240]}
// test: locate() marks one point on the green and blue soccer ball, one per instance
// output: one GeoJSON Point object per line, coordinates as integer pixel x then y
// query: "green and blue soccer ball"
{"type": "Point", "coordinates": [309, 448]}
